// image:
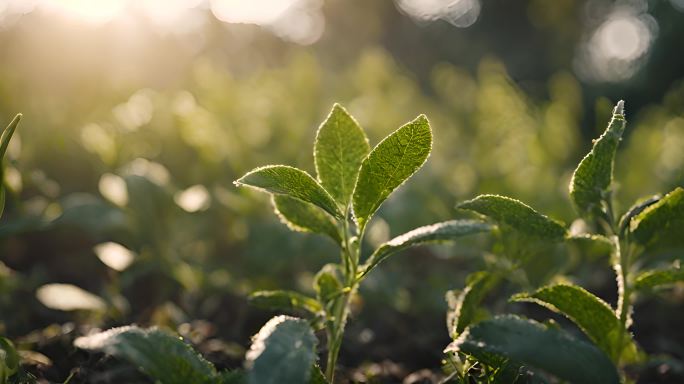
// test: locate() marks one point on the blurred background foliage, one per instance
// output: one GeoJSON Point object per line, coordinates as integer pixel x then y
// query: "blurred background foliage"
{"type": "Point", "coordinates": [138, 115]}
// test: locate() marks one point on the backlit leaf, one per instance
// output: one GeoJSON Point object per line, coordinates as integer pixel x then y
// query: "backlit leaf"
{"type": "Point", "coordinates": [339, 148]}
{"type": "Point", "coordinates": [515, 214]}
{"type": "Point", "coordinates": [440, 232]}
{"type": "Point", "coordinates": [464, 306]}
{"type": "Point", "coordinates": [286, 300]}
{"type": "Point", "coordinates": [591, 181]}
{"type": "Point", "coordinates": [389, 165]}
{"type": "Point", "coordinates": [284, 351]}
{"type": "Point", "coordinates": [591, 314]}
{"type": "Point", "coordinates": [537, 346]}
{"type": "Point", "coordinates": [661, 223]}
{"type": "Point", "coordinates": [653, 279]}
{"type": "Point", "coordinates": [304, 217]}
{"type": "Point", "coordinates": [293, 182]}
{"type": "Point", "coordinates": [159, 354]}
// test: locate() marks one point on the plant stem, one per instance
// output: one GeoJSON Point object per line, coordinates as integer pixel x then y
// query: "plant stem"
{"type": "Point", "coordinates": [350, 257]}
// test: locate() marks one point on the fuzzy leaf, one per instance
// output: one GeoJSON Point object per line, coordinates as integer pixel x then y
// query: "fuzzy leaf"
{"type": "Point", "coordinates": [389, 165]}
{"type": "Point", "coordinates": [161, 355]}
{"type": "Point", "coordinates": [317, 376]}
{"type": "Point", "coordinates": [591, 181]}
{"type": "Point", "coordinates": [653, 279]}
{"type": "Point", "coordinates": [531, 343]}
{"type": "Point", "coordinates": [286, 300]}
{"type": "Point", "coordinates": [517, 215]}
{"type": "Point", "coordinates": [634, 211]}
{"type": "Point", "coordinates": [293, 182]}
{"type": "Point", "coordinates": [304, 217]}
{"type": "Point", "coordinates": [591, 314]}
{"type": "Point", "coordinates": [464, 306]}
{"type": "Point", "coordinates": [284, 351]}
{"type": "Point", "coordinates": [661, 223]}
{"type": "Point", "coordinates": [339, 148]}
{"type": "Point", "coordinates": [440, 232]}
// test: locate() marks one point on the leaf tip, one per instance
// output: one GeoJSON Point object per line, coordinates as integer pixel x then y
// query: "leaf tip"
{"type": "Point", "coordinates": [619, 108]}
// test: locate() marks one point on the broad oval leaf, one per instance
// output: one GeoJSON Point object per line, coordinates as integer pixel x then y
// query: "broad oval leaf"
{"type": "Point", "coordinates": [533, 344]}
{"type": "Point", "coordinates": [591, 181]}
{"type": "Point", "coordinates": [284, 351]}
{"type": "Point", "coordinates": [339, 148]}
{"type": "Point", "coordinates": [440, 232]}
{"type": "Point", "coordinates": [661, 223]}
{"type": "Point", "coordinates": [656, 278]}
{"type": "Point", "coordinates": [304, 217]}
{"type": "Point", "coordinates": [159, 354]}
{"type": "Point", "coordinates": [286, 300]}
{"type": "Point", "coordinates": [389, 165]}
{"type": "Point", "coordinates": [464, 305]}
{"type": "Point", "coordinates": [517, 215]}
{"type": "Point", "coordinates": [591, 314]}
{"type": "Point", "coordinates": [290, 181]}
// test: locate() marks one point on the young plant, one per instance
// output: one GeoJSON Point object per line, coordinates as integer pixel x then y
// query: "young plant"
{"type": "Point", "coordinates": [352, 182]}
{"type": "Point", "coordinates": [503, 348]}
{"type": "Point", "coordinates": [9, 358]}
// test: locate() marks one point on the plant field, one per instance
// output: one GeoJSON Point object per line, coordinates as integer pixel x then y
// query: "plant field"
{"type": "Point", "coordinates": [334, 192]}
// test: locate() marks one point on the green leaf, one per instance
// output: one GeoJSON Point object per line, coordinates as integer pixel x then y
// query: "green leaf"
{"type": "Point", "coordinates": [159, 354]}
{"type": "Point", "coordinates": [328, 282]}
{"type": "Point", "coordinates": [635, 210]}
{"type": "Point", "coordinates": [286, 300]}
{"type": "Point", "coordinates": [304, 217]}
{"type": "Point", "coordinates": [591, 182]}
{"type": "Point", "coordinates": [389, 165]}
{"type": "Point", "coordinates": [9, 359]}
{"type": "Point", "coordinates": [656, 278]}
{"type": "Point", "coordinates": [293, 182]}
{"type": "Point", "coordinates": [591, 314]}
{"type": "Point", "coordinates": [531, 343]}
{"type": "Point", "coordinates": [284, 351]}
{"type": "Point", "coordinates": [661, 223]}
{"type": "Point", "coordinates": [440, 232]}
{"type": "Point", "coordinates": [591, 244]}
{"type": "Point", "coordinates": [517, 215]}
{"type": "Point", "coordinates": [464, 305]}
{"type": "Point", "coordinates": [7, 134]}
{"type": "Point", "coordinates": [339, 148]}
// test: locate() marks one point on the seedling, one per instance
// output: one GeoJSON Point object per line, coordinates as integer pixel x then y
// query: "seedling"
{"type": "Point", "coordinates": [504, 347]}
{"type": "Point", "coordinates": [352, 182]}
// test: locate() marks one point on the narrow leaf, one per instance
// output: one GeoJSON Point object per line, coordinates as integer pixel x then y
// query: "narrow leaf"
{"type": "Point", "coordinates": [286, 300]}
{"type": "Point", "coordinates": [339, 148]}
{"type": "Point", "coordinates": [389, 165]}
{"type": "Point", "coordinates": [161, 355]}
{"type": "Point", "coordinates": [591, 181]}
{"type": "Point", "coordinates": [517, 215]}
{"type": "Point", "coordinates": [284, 180]}
{"type": "Point", "coordinates": [591, 314]}
{"type": "Point", "coordinates": [661, 223]}
{"type": "Point", "coordinates": [317, 376]}
{"type": "Point", "coordinates": [531, 343]}
{"type": "Point", "coordinates": [7, 134]}
{"type": "Point", "coordinates": [9, 359]}
{"type": "Point", "coordinates": [464, 306]}
{"type": "Point", "coordinates": [440, 232]}
{"type": "Point", "coordinates": [284, 351]}
{"type": "Point", "coordinates": [653, 279]}
{"type": "Point", "coordinates": [304, 217]}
